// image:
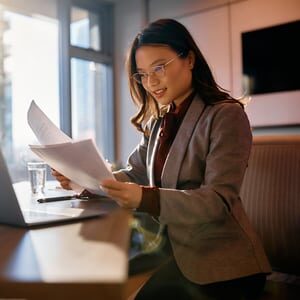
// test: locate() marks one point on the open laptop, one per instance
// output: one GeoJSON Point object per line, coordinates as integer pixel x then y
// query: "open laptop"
{"type": "Point", "coordinates": [11, 212]}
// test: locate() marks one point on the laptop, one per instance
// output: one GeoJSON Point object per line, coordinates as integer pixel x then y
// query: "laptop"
{"type": "Point", "coordinates": [11, 212]}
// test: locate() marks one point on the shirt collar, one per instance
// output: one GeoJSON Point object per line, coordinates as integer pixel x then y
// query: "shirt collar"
{"type": "Point", "coordinates": [182, 107]}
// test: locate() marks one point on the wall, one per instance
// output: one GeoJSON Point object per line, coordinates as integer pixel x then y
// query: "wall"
{"type": "Point", "coordinates": [274, 108]}
{"type": "Point", "coordinates": [216, 26]}
{"type": "Point", "coordinates": [129, 19]}
{"type": "Point", "coordinates": [43, 7]}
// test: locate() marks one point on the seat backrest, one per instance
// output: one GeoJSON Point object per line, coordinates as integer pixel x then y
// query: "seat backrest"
{"type": "Point", "coordinates": [271, 197]}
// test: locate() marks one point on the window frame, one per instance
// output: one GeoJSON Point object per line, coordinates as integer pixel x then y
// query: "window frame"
{"type": "Point", "coordinates": [104, 56]}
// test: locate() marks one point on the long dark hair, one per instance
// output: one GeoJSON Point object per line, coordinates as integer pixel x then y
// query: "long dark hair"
{"type": "Point", "coordinates": [171, 33]}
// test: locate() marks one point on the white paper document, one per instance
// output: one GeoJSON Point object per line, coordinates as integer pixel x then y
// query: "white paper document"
{"type": "Point", "coordinates": [80, 161]}
{"type": "Point", "coordinates": [44, 129]}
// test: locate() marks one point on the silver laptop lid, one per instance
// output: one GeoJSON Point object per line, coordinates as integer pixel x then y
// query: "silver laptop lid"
{"type": "Point", "coordinates": [10, 211]}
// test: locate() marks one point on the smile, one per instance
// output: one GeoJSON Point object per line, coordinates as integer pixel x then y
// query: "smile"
{"type": "Point", "coordinates": [159, 92]}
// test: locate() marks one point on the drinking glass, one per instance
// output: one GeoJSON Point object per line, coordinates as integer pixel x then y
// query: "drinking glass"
{"type": "Point", "coordinates": [37, 176]}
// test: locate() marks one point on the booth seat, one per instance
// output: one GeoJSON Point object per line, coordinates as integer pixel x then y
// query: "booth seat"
{"type": "Point", "coordinates": [271, 197]}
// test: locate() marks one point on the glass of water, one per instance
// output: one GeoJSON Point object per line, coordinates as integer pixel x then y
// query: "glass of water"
{"type": "Point", "coordinates": [37, 176]}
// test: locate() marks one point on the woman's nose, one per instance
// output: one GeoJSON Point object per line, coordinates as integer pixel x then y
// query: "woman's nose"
{"type": "Point", "coordinates": [152, 79]}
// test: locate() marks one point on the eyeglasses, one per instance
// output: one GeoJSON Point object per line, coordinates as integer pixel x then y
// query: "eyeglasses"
{"type": "Point", "coordinates": [158, 71]}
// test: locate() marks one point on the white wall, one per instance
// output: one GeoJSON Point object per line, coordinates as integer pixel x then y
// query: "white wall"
{"type": "Point", "coordinates": [129, 19]}
{"type": "Point", "coordinates": [180, 8]}
{"type": "Point", "coordinates": [215, 46]}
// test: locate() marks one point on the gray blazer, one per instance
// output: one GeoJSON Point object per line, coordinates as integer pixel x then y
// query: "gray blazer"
{"type": "Point", "coordinates": [210, 234]}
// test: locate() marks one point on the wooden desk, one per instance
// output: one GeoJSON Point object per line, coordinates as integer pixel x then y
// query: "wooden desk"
{"type": "Point", "coordinates": [80, 260]}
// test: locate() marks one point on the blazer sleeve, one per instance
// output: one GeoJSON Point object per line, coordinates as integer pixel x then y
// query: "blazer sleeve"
{"type": "Point", "coordinates": [136, 170]}
{"type": "Point", "coordinates": [229, 141]}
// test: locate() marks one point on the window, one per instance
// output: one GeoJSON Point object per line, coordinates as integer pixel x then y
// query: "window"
{"type": "Point", "coordinates": [88, 102]}
{"type": "Point", "coordinates": [29, 68]}
{"type": "Point", "coordinates": [58, 53]}
{"type": "Point", "coordinates": [85, 29]}
{"type": "Point", "coordinates": [88, 68]}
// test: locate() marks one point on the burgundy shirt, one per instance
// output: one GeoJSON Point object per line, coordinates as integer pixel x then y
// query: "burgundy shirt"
{"type": "Point", "coordinates": [167, 133]}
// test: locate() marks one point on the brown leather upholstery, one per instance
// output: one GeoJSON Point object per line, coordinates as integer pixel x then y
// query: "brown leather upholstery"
{"type": "Point", "coordinates": [271, 197]}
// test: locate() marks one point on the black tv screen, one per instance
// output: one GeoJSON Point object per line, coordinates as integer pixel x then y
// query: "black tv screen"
{"type": "Point", "coordinates": [271, 59]}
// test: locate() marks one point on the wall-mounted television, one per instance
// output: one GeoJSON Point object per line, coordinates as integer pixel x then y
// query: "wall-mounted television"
{"type": "Point", "coordinates": [271, 59]}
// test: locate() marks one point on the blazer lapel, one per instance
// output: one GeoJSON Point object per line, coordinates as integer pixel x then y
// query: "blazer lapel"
{"type": "Point", "coordinates": [152, 148]}
{"type": "Point", "coordinates": [176, 154]}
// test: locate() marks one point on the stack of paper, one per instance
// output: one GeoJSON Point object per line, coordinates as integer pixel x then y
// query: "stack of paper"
{"type": "Point", "coordinates": [80, 161]}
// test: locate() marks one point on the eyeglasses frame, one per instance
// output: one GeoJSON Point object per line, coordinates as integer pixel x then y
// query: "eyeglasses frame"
{"type": "Point", "coordinates": [153, 72]}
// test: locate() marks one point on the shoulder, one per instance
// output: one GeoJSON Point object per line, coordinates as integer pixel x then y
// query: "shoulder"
{"type": "Point", "coordinates": [223, 105]}
{"type": "Point", "coordinates": [228, 105]}
{"type": "Point", "coordinates": [226, 108]}
{"type": "Point", "coordinates": [205, 115]}
{"type": "Point", "coordinates": [225, 116]}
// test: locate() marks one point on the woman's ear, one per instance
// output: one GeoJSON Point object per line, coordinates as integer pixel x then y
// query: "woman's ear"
{"type": "Point", "coordinates": [191, 59]}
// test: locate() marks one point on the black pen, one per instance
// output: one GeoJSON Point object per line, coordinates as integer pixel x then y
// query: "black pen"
{"type": "Point", "coordinates": [61, 198]}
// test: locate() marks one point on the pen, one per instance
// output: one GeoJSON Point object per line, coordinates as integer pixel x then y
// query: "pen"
{"type": "Point", "coordinates": [53, 199]}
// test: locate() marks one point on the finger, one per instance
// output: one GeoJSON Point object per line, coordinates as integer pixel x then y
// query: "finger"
{"type": "Point", "coordinates": [65, 182]}
{"type": "Point", "coordinates": [118, 195]}
{"type": "Point", "coordinates": [113, 184]}
{"type": "Point", "coordinates": [121, 197]}
{"type": "Point", "coordinates": [109, 182]}
{"type": "Point", "coordinates": [55, 173]}
{"type": "Point", "coordinates": [62, 178]}
{"type": "Point", "coordinates": [65, 185]}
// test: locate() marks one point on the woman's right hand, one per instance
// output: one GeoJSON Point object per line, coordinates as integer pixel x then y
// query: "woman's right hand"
{"type": "Point", "coordinates": [64, 181]}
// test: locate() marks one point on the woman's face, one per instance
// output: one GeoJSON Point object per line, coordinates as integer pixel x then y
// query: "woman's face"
{"type": "Point", "coordinates": [172, 82]}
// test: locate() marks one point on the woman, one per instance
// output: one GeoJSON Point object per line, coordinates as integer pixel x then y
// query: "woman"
{"type": "Point", "coordinates": [188, 170]}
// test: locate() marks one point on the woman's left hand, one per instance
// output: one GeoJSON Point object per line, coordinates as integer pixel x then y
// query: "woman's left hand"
{"type": "Point", "coordinates": [126, 194]}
